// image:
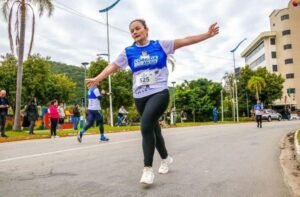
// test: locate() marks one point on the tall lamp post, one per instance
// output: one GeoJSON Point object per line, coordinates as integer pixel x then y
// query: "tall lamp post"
{"type": "Point", "coordinates": [173, 111]}
{"type": "Point", "coordinates": [235, 82]}
{"type": "Point", "coordinates": [174, 82]}
{"type": "Point", "coordinates": [84, 64]}
{"type": "Point", "coordinates": [222, 104]}
{"type": "Point", "coordinates": [108, 56]}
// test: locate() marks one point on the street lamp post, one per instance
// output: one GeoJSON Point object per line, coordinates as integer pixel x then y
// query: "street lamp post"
{"type": "Point", "coordinates": [109, 89]}
{"type": "Point", "coordinates": [173, 82]}
{"type": "Point", "coordinates": [235, 82]}
{"type": "Point", "coordinates": [222, 104]}
{"type": "Point", "coordinates": [84, 64]}
{"type": "Point", "coordinates": [247, 103]}
{"type": "Point", "coordinates": [174, 108]}
{"type": "Point", "coordinates": [108, 56]}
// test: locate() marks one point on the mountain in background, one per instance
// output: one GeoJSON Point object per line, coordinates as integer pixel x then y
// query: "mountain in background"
{"type": "Point", "coordinates": [73, 72]}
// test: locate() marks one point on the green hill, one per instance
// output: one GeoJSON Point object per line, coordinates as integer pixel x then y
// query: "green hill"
{"type": "Point", "coordinates": [75, 73]}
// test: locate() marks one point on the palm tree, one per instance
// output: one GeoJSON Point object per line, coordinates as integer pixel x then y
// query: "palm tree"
{"type": "Point", "coordinates": [21, 8]}
{"type": "Point", "coordinates": [256, 84]}
{"type": "Point", "coordinates": [229, 88]}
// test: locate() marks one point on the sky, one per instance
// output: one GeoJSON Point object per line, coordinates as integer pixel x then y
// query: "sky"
{"type": "Point", "coordinates": [76, 32]}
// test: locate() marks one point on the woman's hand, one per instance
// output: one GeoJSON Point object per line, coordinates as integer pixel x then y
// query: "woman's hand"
{"type": "Point", "coordinates": [213, 30]}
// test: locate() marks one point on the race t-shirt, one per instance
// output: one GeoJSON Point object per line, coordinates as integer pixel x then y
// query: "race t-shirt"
{"type": "Point", "coordinates": [148, 64]}
{"type": "Point", "coordinates": [94, 102]}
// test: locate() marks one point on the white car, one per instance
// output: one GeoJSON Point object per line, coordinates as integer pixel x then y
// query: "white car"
{"type": "Point", "coordinates": [270, 114]}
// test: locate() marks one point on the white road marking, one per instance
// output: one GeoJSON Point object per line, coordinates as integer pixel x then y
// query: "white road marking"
{"type": "Point", "coordinates": [178, 131]}
{"type": "Point", "coordinates": [66, 150]}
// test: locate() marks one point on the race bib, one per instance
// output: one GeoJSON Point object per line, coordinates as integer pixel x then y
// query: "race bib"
{"type": "Point", "coordinates": [145, 78]}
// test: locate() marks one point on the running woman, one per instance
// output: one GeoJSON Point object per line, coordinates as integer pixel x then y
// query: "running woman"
{"type": "Point", "coordinates": [147, 60]}
{"type": "Point", "coordinates": [94, 114]}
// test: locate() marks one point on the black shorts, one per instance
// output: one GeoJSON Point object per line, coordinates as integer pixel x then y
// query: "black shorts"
{"type": "Point", "coordinates": [61, 121]}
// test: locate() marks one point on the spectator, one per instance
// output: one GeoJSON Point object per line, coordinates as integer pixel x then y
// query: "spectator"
{"type": "Point", "coordinates": [215, 114]}
{"type": "Point", "coordinates": [32, 115]}
{"type": "Point", "coordinates": [183, 116]}
{"type": "Point", "coordinates": [3, 111]}
{"type": "Point", "coordinates": [288, 113]}
{"type": "Point", "coordinates": [54, 117]}
{"type": "Point", "coordinates": [121, 115]}
{"type": "Point", "coordinates": [62, 116]}
{"type": "Point", "coordinates": [76, 116]}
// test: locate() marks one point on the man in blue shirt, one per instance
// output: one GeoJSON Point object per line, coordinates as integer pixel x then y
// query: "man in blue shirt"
{"type": "Point", "coordinates": [94, 106]}
{"type": "Point", "coordinates": [258, 108]}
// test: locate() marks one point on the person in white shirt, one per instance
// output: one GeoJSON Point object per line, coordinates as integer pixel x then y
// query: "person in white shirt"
{"type": "Point", "coordinates": [62, 115]}
{"type": "Point", "coordinates": [94, 114]}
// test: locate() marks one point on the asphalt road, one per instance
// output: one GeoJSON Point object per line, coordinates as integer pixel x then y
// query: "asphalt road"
{"type": "Point", "coordinates": [214, 161]}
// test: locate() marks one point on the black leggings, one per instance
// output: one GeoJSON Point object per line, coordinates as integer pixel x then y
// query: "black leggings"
{"type": "Point", "coordinates": [54, 122]}
{"type": "Point", "coordinates": [150, 109]}
{"type": "Point", "coordinates": [90, 123]}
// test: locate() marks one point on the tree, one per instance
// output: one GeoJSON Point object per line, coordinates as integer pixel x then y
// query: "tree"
{"type": "Point", "coordinates": [274, 86]}
{"type": "Point", "coordinates": [256, 84]}
{"type": "Point", "coordinates": [21, 14]}
{"type": "Point", "coordinates": [271, 92]}
{"type": "Point", "coordinates": [76, 73]}
{"type": "Point", "coordinates": [60, 87]}
{"type": "Point", "coordinates": [229, 89]}
{"type": "Point", "coordinates": [198, 97]}
{"type": "Point", "coordinates": [36, 77]}
{"type": "Point", "coordinates": [8, 73]}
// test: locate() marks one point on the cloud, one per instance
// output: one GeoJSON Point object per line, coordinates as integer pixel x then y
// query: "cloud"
{"type": "Point", "coordinates": [73, 38]}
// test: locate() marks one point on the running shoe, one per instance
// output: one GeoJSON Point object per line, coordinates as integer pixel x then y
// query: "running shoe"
{"type": "Point", "coordinates": [147, 176]}
{"type": "Point", "coordinates": [104, 139]}
{"type": "Point", "coordinates": [164, 165]}
{"type": "Point", "coordinates": [79, 137]}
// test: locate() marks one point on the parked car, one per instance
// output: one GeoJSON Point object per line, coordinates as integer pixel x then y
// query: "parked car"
{"type": "Point", "coordinates": [270, 114]}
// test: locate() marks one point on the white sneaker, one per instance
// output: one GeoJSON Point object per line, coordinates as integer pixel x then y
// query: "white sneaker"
{"type": "Point", "coordinates": [164, 165]}
{"type": "Point", "coordinates": [148, 176]}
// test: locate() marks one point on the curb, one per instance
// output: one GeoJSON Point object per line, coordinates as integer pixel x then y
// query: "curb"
{"type": "Point", "coordinates": [289, 163]}
{"type": "Point", "coordinates": [297, 146]}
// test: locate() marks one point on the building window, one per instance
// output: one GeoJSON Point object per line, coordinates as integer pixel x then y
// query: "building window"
{"type": "Point", "coordinates": [287, 46]}
{"type": "Point", "coordinates": [275, 69]}
{"type": "Point", "coordinates": [256, 50]}
{"type": "Point", "coordinates": [286, 32]}
{"type": "Point", "coordinates": [285, 17]}
{"type": "Point", "coordinates": [272, 41]}
{"type": "Point", "coordinates": [288, 61]}
{"type": "Point", "coordinates": [291, 90]}
{"type": "Point", "coordinates": [290, 76]}
{"type": "Point", "coordinates": [273, 54]}
{"type": "Point", "coordinates": [258, 61]}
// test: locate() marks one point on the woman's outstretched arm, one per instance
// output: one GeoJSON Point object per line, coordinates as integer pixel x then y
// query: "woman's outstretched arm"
{"type": "Point", "coordinates": [212, 31]}
{"type": "Point", "coordinates": [110, 69]}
